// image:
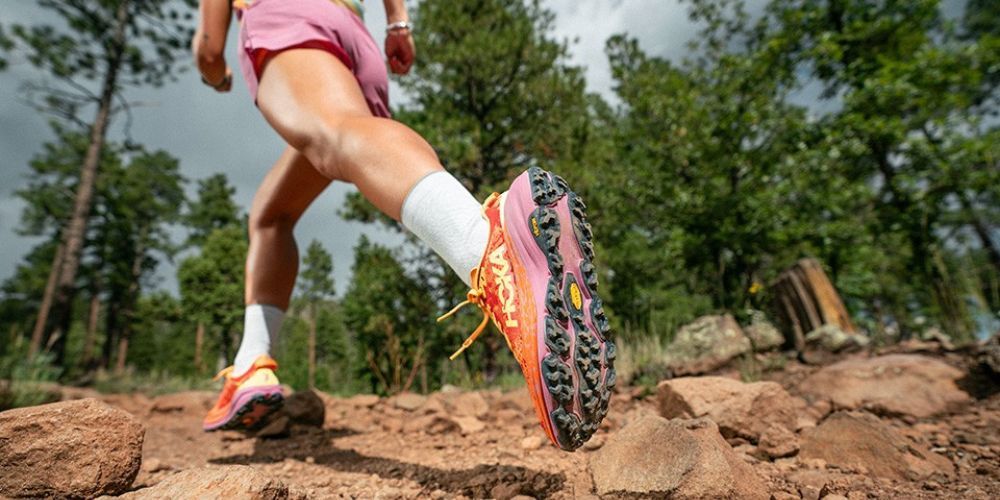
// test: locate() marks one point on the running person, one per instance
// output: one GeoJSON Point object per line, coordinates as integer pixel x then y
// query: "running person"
{"type": "Point", "coordinates": [320, 81]}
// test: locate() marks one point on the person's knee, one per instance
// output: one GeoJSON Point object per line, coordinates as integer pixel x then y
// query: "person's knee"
{"type": "Point", "coordinates": [271, 220]}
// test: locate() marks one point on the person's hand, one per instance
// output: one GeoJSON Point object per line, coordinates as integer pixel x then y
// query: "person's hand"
{"type": "Point", "coordinates": [399, 50]}
{"type": "Point", "coordinates": [223, 86]}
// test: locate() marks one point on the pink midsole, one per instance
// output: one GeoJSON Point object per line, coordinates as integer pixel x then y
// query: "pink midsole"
{"type": "Point", "coordinates": [518, 207]}
{"type": "Point", "coordinates": [243, 398]}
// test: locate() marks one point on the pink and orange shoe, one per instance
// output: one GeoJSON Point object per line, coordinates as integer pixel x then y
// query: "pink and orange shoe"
{"type": "Point", "coordinates": [538, 284]}
{"type": "Point", "coordinates": [246, 400]}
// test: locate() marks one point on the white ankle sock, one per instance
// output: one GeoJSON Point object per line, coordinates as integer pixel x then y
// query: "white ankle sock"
{"type": "Point", "coordinates": [445, 216]}
{"type": "Point", "coordinates": [261, 324]}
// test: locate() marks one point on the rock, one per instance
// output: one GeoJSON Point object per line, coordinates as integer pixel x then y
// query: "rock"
{"type": "Point", "coordinates": [833, 339]}
{"type": "Point", "coordinates": [739, 409]}
{"type": "Point", "coordinates": [763, 335]}
{"type": "Point", "coordinates": [680, 459]}
{"type": "Point", "coordinates": [431, 424]}
{"type": "Point", "coordinates": [231, 481]}
{"type": "Point", "coordinates": [860, 442]}
{"type": "Point", "coordinates": [705, 344]}
{"type": "Point", "coordinates": [469, 425]}
{"type": "Point", "coordinates": [153, 465]}
{"type": "Point", "coordinates": [363, 400]}
{"type": "Point", "coordinates": [594, 442]}
{"type": "Point", "coordinates": [305, 408]}
{"type": "Point", "coordinates": [408, 401]}
{"type": "Point", "coordinates": [897, 385]}
{"type": "Point", "coordinates": [80, 448]}
{"type": "Point", "coordinates": [470, 404]}
{"type": "Point", "coordinates": [988, 354]}
{"type": "Point", "coordinates": [518, 400]}
{"type": "Point", "coordinates": [195, 402]}
{"type": "Point", "coordinates": [278, 427]}
{"type": "Point", "coordinates": [778, 442]}
{"type": "Point", "coordinates": [532, 443]}
{"type": "Point", "coordinates": [935, 334]}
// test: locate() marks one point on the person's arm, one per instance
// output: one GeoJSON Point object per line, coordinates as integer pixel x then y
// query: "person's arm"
{"type": "Point", "coordinates": [399, 47]}
{"type": "Point", "coordinates": [209, 44]}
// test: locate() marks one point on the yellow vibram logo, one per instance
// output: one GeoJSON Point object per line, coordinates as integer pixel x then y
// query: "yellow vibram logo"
{"type": "Point", "coordinates": [575, 297]}
{"type": "Point", "coordinates": [534, 227]}
{"type": "Point", "coordinates": [505, 285]}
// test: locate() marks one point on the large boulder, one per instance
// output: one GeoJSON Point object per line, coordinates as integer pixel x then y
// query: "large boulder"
{"type": "Point", "coordinates": [896, 385]}
{"type": "Point", "coordinates": [705, 344]}
{"type": "Point", "coordinates": [231, 481]}
{"type": "Point", "coordinates": [739, 409]}
{"type": "Point", "coordinates": [80, 448]}
{"type": "Point", "coordinates": [862, 443]}
{"type": "Point", "coordinates": [680, 459]}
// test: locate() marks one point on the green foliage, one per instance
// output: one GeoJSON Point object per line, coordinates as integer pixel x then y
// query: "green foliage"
{"type": "Point", "coordinates": [390, 317]}
{"type": "Point", "coordinates": [316, 278]}
{"type": "Point", "coordinates": [713, 174]}
{"type": "Point", "coordinates": [214, 209]}
{"type": "Point", "coordinates": [152, 383]}
{"type": "Point", "coordinates": [163, 339]}
{"type": "Point", "coordinates": [720, 181]}
{"type": "Point", "coordinates": [78, 49]}
{"type": "Point", "coordinates": [25, 381]}
{"type": "Point", "coordinates": [211, 285]}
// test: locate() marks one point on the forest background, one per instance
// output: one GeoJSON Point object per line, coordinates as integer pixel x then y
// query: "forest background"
{"type": "Point", "coordinates": [860, 133]}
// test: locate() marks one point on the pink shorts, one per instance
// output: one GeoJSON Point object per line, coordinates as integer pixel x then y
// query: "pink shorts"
{"type": "Point", "coordinates": [270, 26]}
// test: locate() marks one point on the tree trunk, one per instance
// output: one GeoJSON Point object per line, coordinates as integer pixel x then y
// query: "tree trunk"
{"type": "Point", "coordinates": [982, 231]}
{"type": "Point", "coordinates": [312, 346]}
{"type": "Point", "coordinates": [131, 297]}
{"type": "Point", "coordinates": [112, 317]}
{"type": "Point", "coordinates": [37, 334]}
{"type": "Point", "coordinates": [199, 342]}
{"type": "Point", "coordinates": [73, 234]}
{"type": "Point", "coordinates": [122, 353]}
{"type": "Point", "coordinates": [88, 342]}
{"type": "Point", "coordinates": [804, 299]}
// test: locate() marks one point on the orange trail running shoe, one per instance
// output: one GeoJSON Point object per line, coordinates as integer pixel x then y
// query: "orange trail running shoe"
{"type": "Point", "coordinates": [246, 400]}
{"type": "Point", "coordinates": [538, 284]}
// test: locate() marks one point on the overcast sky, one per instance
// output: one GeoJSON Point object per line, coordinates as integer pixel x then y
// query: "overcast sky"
{"type": "Point", "coordinates": [212, 133]}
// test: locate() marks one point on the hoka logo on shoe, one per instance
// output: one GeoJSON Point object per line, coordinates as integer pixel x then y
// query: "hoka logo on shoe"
{"type": "Point", "coordinates": [505, 284]}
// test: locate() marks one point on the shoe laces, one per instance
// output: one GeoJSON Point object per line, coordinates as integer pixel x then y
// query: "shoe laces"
{"type": "Point", "coordinates": [222, 374]}
{"type": "Point", "coordinates": [475, 296]}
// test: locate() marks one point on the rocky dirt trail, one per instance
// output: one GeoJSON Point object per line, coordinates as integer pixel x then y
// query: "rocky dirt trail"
{"type": "Point", "coordinates": [888, 425]}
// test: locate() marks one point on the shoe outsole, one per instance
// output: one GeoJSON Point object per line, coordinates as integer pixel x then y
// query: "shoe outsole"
{"type": "Point", "coordinates": [252, 413]}
{"type": "Point", "coordinates": [579, 369]}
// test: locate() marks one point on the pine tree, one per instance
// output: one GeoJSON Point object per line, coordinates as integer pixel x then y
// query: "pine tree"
{"type": "Point", "coordinates": [94, 51]}
{"type": "Point", "coordinates": [316, 285]}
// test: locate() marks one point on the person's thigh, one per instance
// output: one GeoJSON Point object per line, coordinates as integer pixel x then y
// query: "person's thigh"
{"type": "Point", "coordinates": [303, 94]}
{"type": "Point", "coordinates": [314, 102]}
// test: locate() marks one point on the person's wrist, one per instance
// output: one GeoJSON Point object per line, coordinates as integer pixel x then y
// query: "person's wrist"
{"type": "Point", "coordinates": [226, 78]}
{"type": "Point", "coordinates": [399, 27]}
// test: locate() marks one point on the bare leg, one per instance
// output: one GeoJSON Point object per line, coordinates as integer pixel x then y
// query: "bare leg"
{"type": "Point", "coordinates": [313, 101]}
{"type": "Point", "coordinates": [273, 259]}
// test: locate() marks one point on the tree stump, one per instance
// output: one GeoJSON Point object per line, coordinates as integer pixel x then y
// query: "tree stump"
{"type": "Point", "coordinates": [804, 299]}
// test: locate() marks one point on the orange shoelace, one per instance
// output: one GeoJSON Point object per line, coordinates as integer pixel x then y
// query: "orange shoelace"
{"type": "Point", "coordinates": [475, 296]}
